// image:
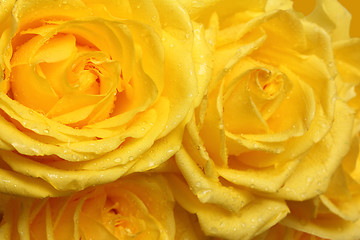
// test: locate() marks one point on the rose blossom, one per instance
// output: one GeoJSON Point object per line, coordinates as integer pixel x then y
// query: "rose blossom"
{"type": "Point", "coordinates": [139, 206]}
{"type": "Point", "coordinates": [271, 127]}
{"type": "Point", "coordinates": [93, 90]}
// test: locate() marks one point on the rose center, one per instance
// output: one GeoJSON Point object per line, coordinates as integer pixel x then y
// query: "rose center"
{"type": "Point", "coordinates": [87, 77]}
{"type": "Point", "coordinates": [267, 82]}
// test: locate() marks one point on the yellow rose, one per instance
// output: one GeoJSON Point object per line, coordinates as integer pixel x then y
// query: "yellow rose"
{"type": "Point", "coordinates": [271, 127]}
{"type": "Point", "coordinates": [93, 90]}
{"type": "Point", "coordinates": [134, 207]}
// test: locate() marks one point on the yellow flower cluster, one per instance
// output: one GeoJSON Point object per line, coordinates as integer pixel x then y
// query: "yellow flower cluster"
{"type": "Point", "coordinates": [178, 119]}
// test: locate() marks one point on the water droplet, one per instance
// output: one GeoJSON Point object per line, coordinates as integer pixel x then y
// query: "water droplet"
{"type": "Point", "coordinates": [187, 35]}
{"type": "Point", "coordinates": [154, 18]}
{"type": "Point", "coordinates": [117, 160]}
{"type": "Point", "coordinates": [131, 158]}
{"type": "Point", "coordinates": [243, 225]}
{"type": "Point", "coordinates": [197, 32]}
{"type": "Point", "coordinates": [46, 130]}
{"type": "Point", "coordinates": [204, 194]}
{"type": "Point", "coordinates": [138, 6]}
{"type": "Point", "coordinates": [252, 186]}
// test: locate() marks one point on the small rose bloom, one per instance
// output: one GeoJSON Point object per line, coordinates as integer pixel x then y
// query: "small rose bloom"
{"type": "Point", "coordinates": [134, 207]}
